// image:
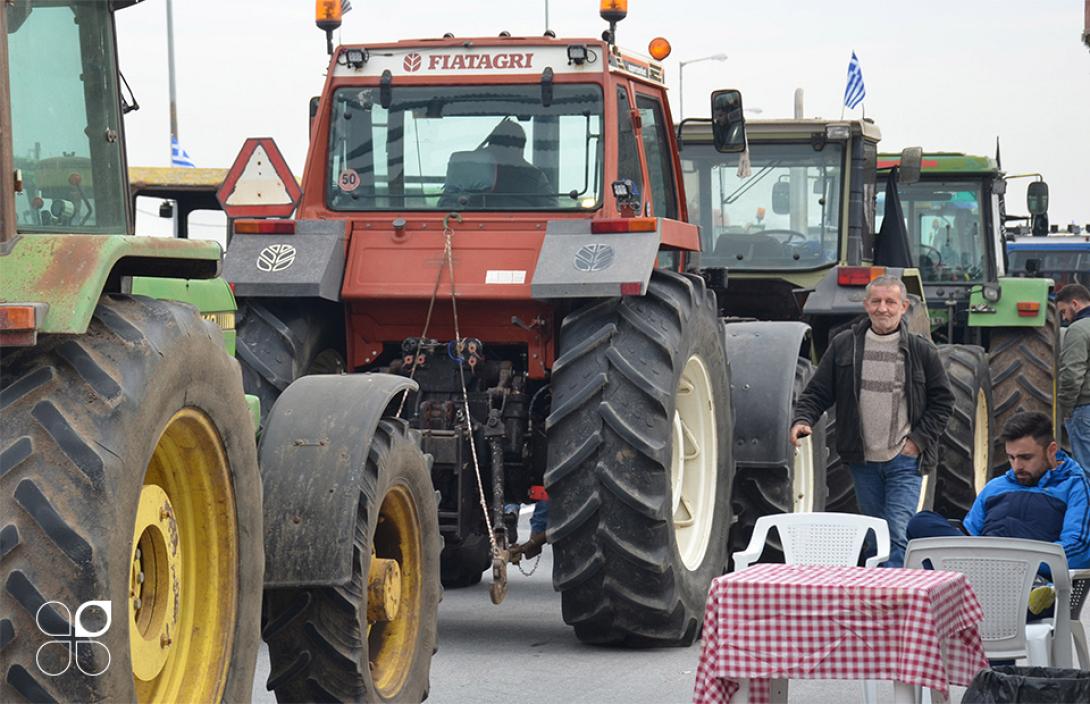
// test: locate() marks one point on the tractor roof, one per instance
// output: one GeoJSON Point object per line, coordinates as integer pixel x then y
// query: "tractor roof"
{"type": "Point", "coordinates": [150, 178]}
{"type": "Point", "coordinates": [946, 163]}
{"type": "Point", "coordinates": [1059, 242]}
{"type": "Point", "coordinates": [785, 129]}
{"type": "Point", "coordinates": [489, 57]}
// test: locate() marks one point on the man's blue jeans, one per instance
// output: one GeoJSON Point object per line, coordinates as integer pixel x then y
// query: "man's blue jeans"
{"type": "Point", "coordinates": [539, 519]}
{"type": "Point", "coordinates": [889, 490]}
{"type": "Point", "coordinates": [1078, 432]}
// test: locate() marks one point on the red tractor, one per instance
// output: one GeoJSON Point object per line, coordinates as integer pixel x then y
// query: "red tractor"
{"type": "Point", "coordinates": [503, 220]}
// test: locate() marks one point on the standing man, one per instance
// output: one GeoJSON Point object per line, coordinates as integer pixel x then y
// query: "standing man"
{"type": "Point", "coordinates": [892, 402]}
{"type": "Point", "coordinates": [1073, 397]}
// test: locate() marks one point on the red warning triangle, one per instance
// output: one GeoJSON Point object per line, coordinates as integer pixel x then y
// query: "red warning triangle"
{"type": "Point", "coordinates": [259, 183]}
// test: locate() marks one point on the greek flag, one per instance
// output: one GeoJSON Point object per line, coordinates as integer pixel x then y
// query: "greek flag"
{"type": "Point", "coordinates": [855, 91]}
{"type": "Point", "coordinates": [179, 156]}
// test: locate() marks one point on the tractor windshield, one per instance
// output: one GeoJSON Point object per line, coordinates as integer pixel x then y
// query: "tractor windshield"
{"type": "Point", "coordinates": [945, 228]}
{"type": "Point", "coordinates": [65, 118]}
{"type": "Point", "coordinates": [784, 215]}
{"type": "Point", "coordinates": [484, 148]}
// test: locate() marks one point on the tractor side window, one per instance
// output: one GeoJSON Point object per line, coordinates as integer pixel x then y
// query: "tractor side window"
{"type": "Point", "coordinates": [65, 122]}
{"type": "Point", "coordinates": [660, 165]}
{"type": "Point", "coordinates": [628, 153]}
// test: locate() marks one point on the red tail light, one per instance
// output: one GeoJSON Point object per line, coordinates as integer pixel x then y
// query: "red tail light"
{"type": "Point", "coordinates": [604, 227]}
{"type": "Point", "coordinates": [1028, 309]}
{"type": "Point", "coordinates": [264, 227]}
{"type": "Point", "coordinates": [858, 275]}
{"type": "Point", "coordinates": [632, 288]}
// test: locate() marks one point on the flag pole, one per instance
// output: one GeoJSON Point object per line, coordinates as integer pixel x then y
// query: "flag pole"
{"type": "Point", "coordinates": [170, 70]}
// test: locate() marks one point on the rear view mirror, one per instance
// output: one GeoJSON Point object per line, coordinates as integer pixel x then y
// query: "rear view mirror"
{"type": "Point", "coordinates": [781, 198]}
{"type": "Point", "coordinates": [911, 163]}
{"type": "Point", "coordinates": [1037, 198]}
{"type": "Point", "coordinates": [728, 121]}
{"type": "Point", "coordinates": [313, 109]}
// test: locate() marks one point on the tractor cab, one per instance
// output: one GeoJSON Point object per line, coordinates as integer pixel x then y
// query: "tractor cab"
{"type": "Point", "coordinates": [515, 130]}
{"type": "Point", "coordinates": [70, 160]}
{"type": "Point", "coordinates": [955, 217]}
{"type": "Point", "coordinates": [797, 232]}
{"type": "Point", "coordinates": [786, 215]}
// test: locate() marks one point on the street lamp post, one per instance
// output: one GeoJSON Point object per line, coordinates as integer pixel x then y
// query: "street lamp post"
{"type": "Point", "coordinates": [681, 80]}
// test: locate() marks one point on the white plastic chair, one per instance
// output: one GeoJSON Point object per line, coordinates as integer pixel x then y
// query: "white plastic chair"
{"type": "Point", "coordinates": [817, 539]}
{"type": "Point", "coordinates": [1080, 585]}
{"type": "Point", "coordinates": [1001, 572]}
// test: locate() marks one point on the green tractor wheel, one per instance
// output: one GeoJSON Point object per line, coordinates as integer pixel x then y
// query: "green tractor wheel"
{"type": "Point", "coordinates": [129, 466]}
{"type": "Point", "coordinates": [1024, 370]}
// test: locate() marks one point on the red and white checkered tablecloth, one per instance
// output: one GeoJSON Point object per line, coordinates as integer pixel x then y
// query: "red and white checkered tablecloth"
{"type": "Point", "coordinates": [775, 621]}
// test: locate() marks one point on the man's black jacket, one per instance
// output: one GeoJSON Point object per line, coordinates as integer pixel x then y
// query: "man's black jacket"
{"type": "Point", "coordinates": [839, 377]}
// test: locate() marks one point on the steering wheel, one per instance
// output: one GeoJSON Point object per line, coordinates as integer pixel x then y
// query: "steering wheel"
{"type": "Point", "coordinates": [788, 234]}
{"type": "Point", "coordinates": [937, 259]}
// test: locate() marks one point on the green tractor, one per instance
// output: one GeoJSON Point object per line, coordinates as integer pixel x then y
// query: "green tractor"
{"type": "Point", "coordinates": [955, 217]}
{"type": "Point", "coordinates": [797, 240]}
{"type": "Point", "coordinates": [134, 538]}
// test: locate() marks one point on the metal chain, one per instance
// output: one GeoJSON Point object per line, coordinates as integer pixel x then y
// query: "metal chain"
{"type": "Point", "coordinates": [448, 253]}
{"type": "Point", "coordinates": [533, 569]}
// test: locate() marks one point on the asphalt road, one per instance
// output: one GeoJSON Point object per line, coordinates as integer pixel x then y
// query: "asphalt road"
{"type": "Point", "coordinates": [521, 651]}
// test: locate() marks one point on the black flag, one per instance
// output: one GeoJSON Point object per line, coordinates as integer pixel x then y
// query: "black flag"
{"type": "Point", "coordinates": [892, 249]}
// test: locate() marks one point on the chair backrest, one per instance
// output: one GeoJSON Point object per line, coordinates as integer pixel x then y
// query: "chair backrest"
{"type": "Point", "coordinates": [1001, 572]}
{"type": "Point", "coordinates": [818, 538]}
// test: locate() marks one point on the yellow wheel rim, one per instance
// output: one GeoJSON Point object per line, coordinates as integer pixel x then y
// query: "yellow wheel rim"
{"type": "Point", "coordinates": [183, 586]}
{"type": "Point", "coordinates": [394, 592]}
{"type": "Point", "coordinates": [981, 446]}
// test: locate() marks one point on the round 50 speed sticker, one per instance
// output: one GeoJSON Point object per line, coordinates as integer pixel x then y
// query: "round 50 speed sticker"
{"type": "Point", "coordinates": [349, 180]}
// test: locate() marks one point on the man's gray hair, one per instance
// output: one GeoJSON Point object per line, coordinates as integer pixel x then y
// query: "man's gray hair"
{"type": "Point", "coordinates": [889, 281]}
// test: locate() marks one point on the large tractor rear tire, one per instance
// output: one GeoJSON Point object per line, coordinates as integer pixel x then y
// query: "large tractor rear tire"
{"type": "Point", "coordinates": [964, 446]}
{"type": "Point", "coordinates": [279, 341]}
{"type": "Point", "coordinates": [796, 488]}
{"type": "Point", "coordinates": [1023, 365]}
{"type": "Point", "coordinates": [129, 466]}
{"type": "Point", "coordinates": [639, 463]}
{"type": "Point", "coordinates": [370, 640]}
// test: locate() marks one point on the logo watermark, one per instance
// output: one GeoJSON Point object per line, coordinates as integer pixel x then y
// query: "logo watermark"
{"type": "Point", "coordinates": [78, 636]}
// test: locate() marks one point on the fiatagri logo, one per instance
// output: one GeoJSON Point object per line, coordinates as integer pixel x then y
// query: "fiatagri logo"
{"type": "Point", "coordinates": [464, 62]}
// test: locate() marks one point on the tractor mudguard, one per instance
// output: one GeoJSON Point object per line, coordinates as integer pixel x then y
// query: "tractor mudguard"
{"type": "Point", "coordinates": [306, 264]}
{"type": "Point", "coordinates": [763, 356]}
{"type": "Point", "coordinates": [830, 298]}
{"type": "Point", "coordinates": [312, 455]}
{"type": "Point", "coordinates": [574, 262]}
{"type": "Point", "coordinates": [67, 274]}
{"type": "Point", "coordinates": [1006, 312]}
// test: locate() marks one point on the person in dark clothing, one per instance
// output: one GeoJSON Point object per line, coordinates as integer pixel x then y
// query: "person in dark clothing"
{"type": "Point", "coordinates": [892, 401]}
{"type": "Point", "coordinates": [1073, 385]}
{"type": "Point", "coordinates": [1045, 495]}
{"type": "Point", "coordinates": [497, 174]}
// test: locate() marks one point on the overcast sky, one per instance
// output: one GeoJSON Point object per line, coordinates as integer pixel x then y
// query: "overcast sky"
{"type": "Point", "coordinates": [945, 75]}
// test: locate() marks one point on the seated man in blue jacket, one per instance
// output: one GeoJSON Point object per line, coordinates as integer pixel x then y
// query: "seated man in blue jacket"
{"type": "Point", "coordinates": [1045, 495]}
